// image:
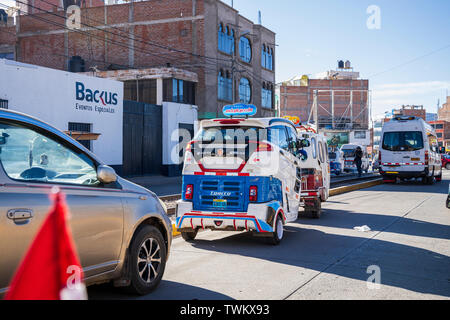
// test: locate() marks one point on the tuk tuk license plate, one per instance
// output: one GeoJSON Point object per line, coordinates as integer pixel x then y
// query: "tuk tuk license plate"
{"type": "Point", "coordinates": [219, 203]}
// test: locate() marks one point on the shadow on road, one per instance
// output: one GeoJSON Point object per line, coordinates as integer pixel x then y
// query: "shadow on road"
{"type": "Point", "coordinates": [378, 222]}
{"type": "Point", "coordinates": [402, 266]}
{"type": "Point", "coordinates": [167, 290]}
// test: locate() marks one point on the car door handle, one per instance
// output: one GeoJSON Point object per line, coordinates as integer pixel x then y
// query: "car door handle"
{"type": "Point", "coordinates": [20, 214]}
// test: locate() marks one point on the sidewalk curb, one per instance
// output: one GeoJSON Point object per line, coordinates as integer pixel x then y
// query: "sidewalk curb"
{"type": "Point", "coordinates": [354, 187]}
{"type": "Point", "coordinates": [333, 192]}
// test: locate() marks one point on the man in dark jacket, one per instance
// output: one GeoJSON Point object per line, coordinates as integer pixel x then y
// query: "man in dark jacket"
{"type": "Point", "coordinates": [358, 160]}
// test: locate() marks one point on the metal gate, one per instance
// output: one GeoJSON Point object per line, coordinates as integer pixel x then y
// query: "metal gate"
{"type": "Point", "coordinates": [142, 138]}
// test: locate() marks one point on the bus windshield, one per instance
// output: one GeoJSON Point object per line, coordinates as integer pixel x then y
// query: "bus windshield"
{"type": "Point", "coordinates": [403, 141]}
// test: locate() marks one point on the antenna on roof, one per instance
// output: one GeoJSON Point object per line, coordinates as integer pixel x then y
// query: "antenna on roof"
{"type": "Point", "coordinates": [259, 17]}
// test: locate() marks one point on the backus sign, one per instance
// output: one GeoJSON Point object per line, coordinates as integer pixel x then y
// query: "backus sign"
{"type": "Point", "coordinates": [105, 99]}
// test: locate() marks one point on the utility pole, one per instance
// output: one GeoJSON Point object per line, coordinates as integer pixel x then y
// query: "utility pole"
{"type": "Point", "coordinates": [316, 112]}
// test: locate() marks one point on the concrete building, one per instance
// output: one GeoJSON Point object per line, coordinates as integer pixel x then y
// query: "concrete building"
{"type": "Point", "coordinates": [342, 99]}
{"type": "Point", "coordinates": [232, 56]}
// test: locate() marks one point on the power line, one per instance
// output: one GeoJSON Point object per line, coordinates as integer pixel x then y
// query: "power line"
{"type": "Point", "coordinates": [410, 61]}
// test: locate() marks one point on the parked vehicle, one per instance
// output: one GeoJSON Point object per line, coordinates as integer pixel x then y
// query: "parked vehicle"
{"type": "Point", "coordinates": [375, 164]}
{"type": "Point", "coordinates": [315, 170]}
{"type": "Point", "coordinates": [445, 158]}
{"type": "Point", "coordinates": [241, 174]}
{"type": "Point", "coordinates": [409, 149]}
{"type": "Point", "coordinates": [348, 151]}
{"type": "Point", "coordinates": [121, 230]}
{"type": "Point", "coordinates": [336, 161]}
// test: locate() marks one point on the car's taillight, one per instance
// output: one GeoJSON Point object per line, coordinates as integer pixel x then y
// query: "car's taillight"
{"type": "Point", "coordinates": [253, 194]}
{"type": "Point", "coordinates": [426, 158]}
{"type": "Point", "coordinates": [189, 194]}
{"type": "Point", "coordinates": [379, 157]}
{"type": "Point", "coordinates": [263, 146]}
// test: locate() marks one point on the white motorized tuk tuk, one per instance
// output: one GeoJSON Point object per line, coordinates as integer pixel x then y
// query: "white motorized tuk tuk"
{"type": "Point", "coordinates": [241, 174]}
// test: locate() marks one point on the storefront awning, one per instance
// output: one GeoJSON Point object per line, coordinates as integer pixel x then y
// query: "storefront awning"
{"type": "Point", "coordinates": [82, 136]}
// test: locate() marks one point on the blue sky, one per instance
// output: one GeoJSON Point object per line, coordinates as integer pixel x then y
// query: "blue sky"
{"type": "Point", "coordinates": [399, 59]}
{"type": "Point", "coordinates": [313, 35]}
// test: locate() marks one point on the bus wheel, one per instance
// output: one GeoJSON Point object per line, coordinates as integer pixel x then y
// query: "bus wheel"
{"type": "Point", "coordinates": [189, 236]}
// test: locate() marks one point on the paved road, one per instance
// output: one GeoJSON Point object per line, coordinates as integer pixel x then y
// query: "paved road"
{"type": "Point", "coordinates": [326, 258]}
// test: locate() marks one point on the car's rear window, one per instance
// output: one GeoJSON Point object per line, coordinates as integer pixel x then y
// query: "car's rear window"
{"type": "Point", "coordinates": [403, 141]}
{"type": "Point", "coordinates": [349, 153]}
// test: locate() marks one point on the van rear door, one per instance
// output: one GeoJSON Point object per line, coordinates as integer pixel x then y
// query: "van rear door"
{"type": "Point", "coordinates": [401, 149]}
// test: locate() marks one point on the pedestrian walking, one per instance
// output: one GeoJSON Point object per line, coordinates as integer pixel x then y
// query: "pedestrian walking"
{"type": "Point", "coordinates": [358, 160]}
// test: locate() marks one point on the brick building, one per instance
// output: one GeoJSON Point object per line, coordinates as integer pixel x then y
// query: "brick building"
{"type": "Point", "coordinates": [410, 110]}
{"type": "Point", "coordinates": [342, 100]}
{"type": "Point", "coordinates": [442, 128]}
{"type": "Point", "coordinates": [232, 56]}
{"type": "Point", "coordinates": [444, 111]}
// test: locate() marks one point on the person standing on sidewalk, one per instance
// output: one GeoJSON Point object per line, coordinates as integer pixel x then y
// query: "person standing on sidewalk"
{"type": "Point", "coordinates": [358, 160]}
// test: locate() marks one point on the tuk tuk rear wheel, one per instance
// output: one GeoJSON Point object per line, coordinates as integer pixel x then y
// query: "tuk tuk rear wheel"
{"type": "Point", "coordinates": [189, 236]}
{"type": "Point", "coordinates": [314, 211]}
{"type": "Point", "coordinates": [278, 233]}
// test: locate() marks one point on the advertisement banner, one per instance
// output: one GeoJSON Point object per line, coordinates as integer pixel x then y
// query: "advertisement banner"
{"type": "Point", "coordinates": [337, 139]}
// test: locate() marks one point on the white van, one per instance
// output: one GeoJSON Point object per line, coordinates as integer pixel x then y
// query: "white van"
{"type": "Point", "coordinates": [348, 151]}
{"type": "Point", "coordinates": [409, 149]}
{"type": "Point", "coordinates": [241, 174]}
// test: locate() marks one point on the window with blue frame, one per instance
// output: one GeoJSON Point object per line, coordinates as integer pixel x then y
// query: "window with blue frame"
{"type": "Point", "coordinates": [263, 56]}
{"type": "Point", "coordinates": [176, 90]}
{"type": "Point", "coordinates": [267, 57]}
{"type": "Point", "coordinates": [267, 96]}
{"type": "Point", "coordinates": [225, 86]}
{"type": "Point", "coordinates": [226, 39]}
{"type": "Point", "coordinates": [245, 49]}
{"type": "Point", "coordinates": [245, 91]}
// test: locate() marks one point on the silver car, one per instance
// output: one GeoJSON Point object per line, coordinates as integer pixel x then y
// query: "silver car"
{"type": "Point", "coordinates": [121, 230]}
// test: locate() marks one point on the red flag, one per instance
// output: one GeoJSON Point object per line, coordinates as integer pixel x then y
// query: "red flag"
{"type": "Point", "coordinates": [51, 269]}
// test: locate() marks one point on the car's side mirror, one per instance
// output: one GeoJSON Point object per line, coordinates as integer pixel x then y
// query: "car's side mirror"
{"type": "Point", "coordinates": [106, 174]}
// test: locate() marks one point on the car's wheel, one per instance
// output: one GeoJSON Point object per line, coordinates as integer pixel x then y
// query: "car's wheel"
{"type": "Point", "coordinates": [148, 260]}
{"type": "Point", "coordinates": [189, 236]}
{"type": "Point", "coordinates": [447, 166]}
{"type": "Point", "coordinates": [278, 233]}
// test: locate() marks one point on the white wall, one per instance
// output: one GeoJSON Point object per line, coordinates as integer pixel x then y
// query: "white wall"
{"type": "Point", "coordinates": [173, 115]}
{"type": "Point", "coordinates": [50, 95]}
